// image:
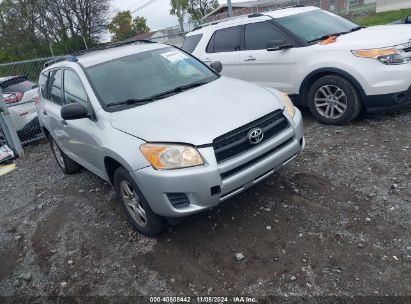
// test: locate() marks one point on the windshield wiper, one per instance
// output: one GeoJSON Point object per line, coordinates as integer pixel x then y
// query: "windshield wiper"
{"type": "Point", "coordinates": [177, 90]}
{"type": "Point", "coordinates": [157, 96]}
{"type": "Point", "coordinates": [354, 29]}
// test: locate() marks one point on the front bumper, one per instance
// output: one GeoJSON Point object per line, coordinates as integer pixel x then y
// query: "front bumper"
{"type": "Point", "coordinates": [207, 186]}
{"type": "Point", "coordinates": [387, 102]}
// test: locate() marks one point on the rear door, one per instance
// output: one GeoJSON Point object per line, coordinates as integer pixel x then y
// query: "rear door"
{"type": "Point", "coordinates": [225, 46]}
{"type": "Point", "coordinates": [51, 107]}
{"type": "Point", "coordinates": [267, 68]}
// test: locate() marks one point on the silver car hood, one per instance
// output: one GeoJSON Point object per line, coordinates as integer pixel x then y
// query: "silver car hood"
{"type": "Point", "coordinates": [199, 115]}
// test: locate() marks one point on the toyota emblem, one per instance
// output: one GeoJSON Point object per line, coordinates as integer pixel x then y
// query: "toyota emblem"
{"type": "Point", "coordinates": [256, 136]}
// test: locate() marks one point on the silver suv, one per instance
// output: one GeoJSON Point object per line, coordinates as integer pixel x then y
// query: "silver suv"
{"type": "Point", "coordinates": [168, 132]}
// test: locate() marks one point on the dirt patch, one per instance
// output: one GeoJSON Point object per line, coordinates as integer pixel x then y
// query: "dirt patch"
{"type": "Point", "coordinates": [334, 222]}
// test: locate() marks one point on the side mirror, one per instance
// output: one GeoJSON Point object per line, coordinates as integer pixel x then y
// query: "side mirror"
{"type": "Point", "coordinates": [278, 45]}
{"type": "Point", "coordinates": [217, 66]}
{"type": "Point", "coordinates": [74, 111]}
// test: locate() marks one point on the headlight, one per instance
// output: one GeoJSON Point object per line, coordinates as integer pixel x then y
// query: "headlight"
{"type": "Point", "coordinates": [389, 56]}
{"type": "Point", "coordinates": [165, 156]}
{"type": "Point", "coordinates": [288, 104]}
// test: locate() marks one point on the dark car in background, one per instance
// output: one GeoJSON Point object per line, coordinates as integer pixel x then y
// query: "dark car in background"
{"type": "Point", "coordinates": [406, 20]}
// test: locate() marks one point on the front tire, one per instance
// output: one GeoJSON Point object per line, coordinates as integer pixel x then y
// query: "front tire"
{"type": "Point", "coordinates": [137, 210]}
{"type": "Point", "coordinates": [67, 165]}
{"type": "Point", "coordinates": [333, 100]}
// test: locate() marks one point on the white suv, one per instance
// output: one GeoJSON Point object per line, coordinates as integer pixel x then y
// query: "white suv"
{"type": "Point", "coordinates": [323, 61]}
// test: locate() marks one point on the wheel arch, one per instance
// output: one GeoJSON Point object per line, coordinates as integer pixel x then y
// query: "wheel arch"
{"type": "Point", "coordinates": [317, 74]}
{"type": "Point", "coordinates": [45, 131]}
{"type": "Point", "coordinates": [111, 165]}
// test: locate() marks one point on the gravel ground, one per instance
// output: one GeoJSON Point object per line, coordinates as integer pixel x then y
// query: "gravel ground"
{"type": "Point", "coordinates": [335, 222]}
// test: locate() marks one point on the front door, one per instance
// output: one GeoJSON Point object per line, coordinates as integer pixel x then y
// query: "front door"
{"type": "Point", "coordinates": [274, 69]}
{"type": "Point", "coordinates": [82, 140]}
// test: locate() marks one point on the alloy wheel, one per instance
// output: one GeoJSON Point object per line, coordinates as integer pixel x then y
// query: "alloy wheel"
{"type": "Point", "coordinates": [133, 203]}
{"type": "Point", "coordinates": [330, 101]}
{"type": "Point", "coordinates": [57, 153]}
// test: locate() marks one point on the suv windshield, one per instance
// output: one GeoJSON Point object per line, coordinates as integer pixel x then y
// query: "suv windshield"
{"type": "Point", "coordinates": [147, 76]}
{"type": "Point", "coordinates": [317, 24]}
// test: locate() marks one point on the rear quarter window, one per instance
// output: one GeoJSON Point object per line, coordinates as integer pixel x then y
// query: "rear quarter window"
{"type": "Point", "coordinates": [190, 43]}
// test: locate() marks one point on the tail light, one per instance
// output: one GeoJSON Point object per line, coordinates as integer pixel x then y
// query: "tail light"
{"type": "Point", "coordinates": [36, 99]}
{"type": "Point", "coordinates": [14, 97]}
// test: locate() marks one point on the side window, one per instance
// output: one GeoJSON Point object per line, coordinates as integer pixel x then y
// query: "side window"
{"type": "Point", "coordinates": [54, 87]}
{"type": "Point", "coordinates": [210, 45]}
{"type": "Point", "coordinates": [226, 40]}
{"type": "Point", "coordinates": [257, 35]}
{"type": "Point", "coordinates": [73, 89]}
{"type": "Point", "coordinates": [190, 42]}
{"type": "Point", "coordinates": [43, 85]}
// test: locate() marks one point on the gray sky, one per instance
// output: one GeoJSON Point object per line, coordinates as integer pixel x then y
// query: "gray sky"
{"type": "Point", "coordinates": [157, 14]}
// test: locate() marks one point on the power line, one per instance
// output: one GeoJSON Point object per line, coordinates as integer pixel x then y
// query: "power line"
{"type": "Point", "coordinates": [134, 5]}
{"type": "Point", "coordinates": [144, 6]}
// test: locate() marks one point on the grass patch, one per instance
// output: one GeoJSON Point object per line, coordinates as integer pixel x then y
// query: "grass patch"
{"type": "Point", "coordinates": [384, 18]}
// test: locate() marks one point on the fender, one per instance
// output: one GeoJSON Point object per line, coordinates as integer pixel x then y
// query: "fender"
{"type": "Point", "coordinates": [314, 75]}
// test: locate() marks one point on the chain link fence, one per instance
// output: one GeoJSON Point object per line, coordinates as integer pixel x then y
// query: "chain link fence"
{"type": "Point", "coordinates": [18, 83]}
{"type": "Point", "coordinates": [350, 9]}
{"type": "Point", "coordinates": [173, 39]}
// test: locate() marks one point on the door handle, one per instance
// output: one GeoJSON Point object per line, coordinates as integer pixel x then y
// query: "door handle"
{"type": "Point", "coordinates": [250, 58]}
{"type": "Point", "coordinates": [207, 60]}
{"type": "Point", "coordinates": [44, 112]}
{"type": "Point", "coordinates": [63, 122]}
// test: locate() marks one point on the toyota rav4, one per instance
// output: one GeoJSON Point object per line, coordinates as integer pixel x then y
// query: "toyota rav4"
{"type": "Point", "coordinates": [168, 132]}
{"type": "Point", "coordinates": [324, 61]}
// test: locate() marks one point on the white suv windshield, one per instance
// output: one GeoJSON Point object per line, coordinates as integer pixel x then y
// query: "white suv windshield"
{"type": "Point", "coordinates": [313, 25]}
{"type": "Point", "coordinates": [147, 76]}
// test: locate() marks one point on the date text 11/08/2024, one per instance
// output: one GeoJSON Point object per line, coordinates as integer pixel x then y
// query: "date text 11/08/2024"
{"type": "Point", "coordinates": [206, 299]}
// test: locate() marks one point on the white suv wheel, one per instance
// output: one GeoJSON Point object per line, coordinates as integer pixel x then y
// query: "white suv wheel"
{"type": "Point", "coordinates": [330, 101]}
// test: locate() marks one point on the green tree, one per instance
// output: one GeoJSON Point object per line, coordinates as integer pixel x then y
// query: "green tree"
{"type": "Point", "coordinates": [140, 25]}
{"type": "Point", "coordinates": [199, 8]}
{"type": "Point", "coordinates": [179, 8]}
{"type": "Point", "coordinates": [37, 28]}
{"type": "Point", "coordinates": [123, 26]}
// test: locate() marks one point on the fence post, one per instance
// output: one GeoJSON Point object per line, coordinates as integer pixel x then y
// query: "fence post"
{"type": "Point", "coordinates": [8, 131]}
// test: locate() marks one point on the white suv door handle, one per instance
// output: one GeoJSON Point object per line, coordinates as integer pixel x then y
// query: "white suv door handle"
{"type": "Point", "coordinates": [207, 60]}
{"type": "Point", "coordinates": [250, 58]}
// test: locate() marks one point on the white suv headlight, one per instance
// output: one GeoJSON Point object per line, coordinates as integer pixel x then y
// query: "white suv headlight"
{"type": "Point", "coordinates": [288, 104]}
{"type": "Point", "coordinates": [389, 56]}
{"type": "Point", "coordinates": [169, 156]}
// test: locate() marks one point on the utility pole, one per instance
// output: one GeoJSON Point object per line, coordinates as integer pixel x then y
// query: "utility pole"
{"type": "Point", "coordinates": [230, 8]}
{"type": "Point", "coordinates": [9, 133]}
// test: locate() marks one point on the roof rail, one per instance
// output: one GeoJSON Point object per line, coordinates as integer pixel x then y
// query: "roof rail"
{"type": "Point", "coordinates": [219, 21]}
{"type": "Point", "coordinates": [59, 59]}
{"type": "Point", "coordinates": [254, 15]}
{"type": "Point", "coordinates": [73, 56]}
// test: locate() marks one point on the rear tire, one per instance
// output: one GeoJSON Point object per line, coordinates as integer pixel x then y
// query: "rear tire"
{"type": "Point", "coordinates": [67, 165]}
{"type": "Point", "coordinates": [333, 100]}
{"type": "Point", "coordinates": [138, 212]}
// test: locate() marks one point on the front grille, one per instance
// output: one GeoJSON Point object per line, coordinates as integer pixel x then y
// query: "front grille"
{"type": "Point", "coordinates": [236, 142]}
{"type": "Point", "coordinates": [255, 160]}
